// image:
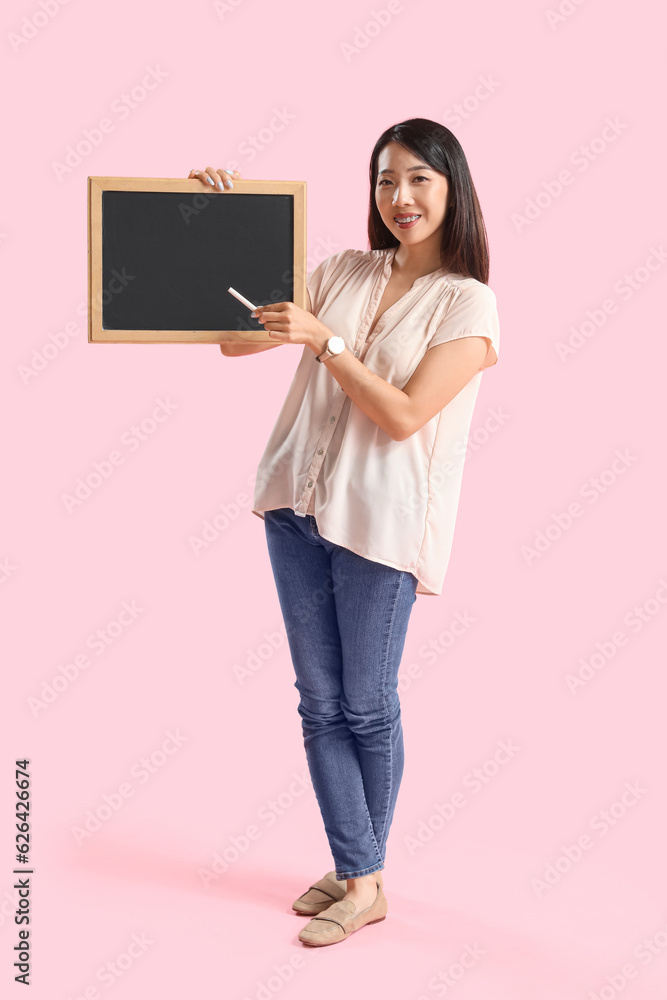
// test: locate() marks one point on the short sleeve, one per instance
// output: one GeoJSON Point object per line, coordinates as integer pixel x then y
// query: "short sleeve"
{"type": "Point", "coordinates": [472, 313]}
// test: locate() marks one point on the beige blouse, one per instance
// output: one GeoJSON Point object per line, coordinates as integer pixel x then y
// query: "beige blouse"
{"type": "Point", "coordinates": [394, 502]}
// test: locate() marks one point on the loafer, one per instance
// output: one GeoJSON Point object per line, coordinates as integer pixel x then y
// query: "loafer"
{"type": "Point", "coordinates": [341, 919]}
{"type": "Point", "coordinates": [320, 895]}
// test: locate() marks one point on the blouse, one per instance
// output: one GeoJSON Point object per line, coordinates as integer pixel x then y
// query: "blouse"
{"type": "Point", "coordinates": [394, 502]}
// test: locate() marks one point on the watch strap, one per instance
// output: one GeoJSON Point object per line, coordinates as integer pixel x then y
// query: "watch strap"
{"type": "Point", "coordinates": [326, 353]}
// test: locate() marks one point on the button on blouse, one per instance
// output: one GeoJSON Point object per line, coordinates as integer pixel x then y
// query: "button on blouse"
{"type": "Point", "coordinates": [394, 502]}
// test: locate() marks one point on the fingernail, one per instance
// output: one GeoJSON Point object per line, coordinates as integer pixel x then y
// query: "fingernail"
{"type": "Point", "coordinates": [253, 315]}
{"type": "Point", "coordinates": [229, 183]}
{"type": "Point", "coordinates": [230, 172]}
{"type": "Point", "coordinates": [210, 180]}
{"type": "Point", "coordinates": [221, 185]}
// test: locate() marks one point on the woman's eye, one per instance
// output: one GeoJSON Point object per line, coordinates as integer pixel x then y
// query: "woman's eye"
{"type": "Point", "coordinates": [385, 181]}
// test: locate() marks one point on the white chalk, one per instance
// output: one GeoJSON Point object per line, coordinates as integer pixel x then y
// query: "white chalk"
{"type": "Point", "coordinates": [242, 299]}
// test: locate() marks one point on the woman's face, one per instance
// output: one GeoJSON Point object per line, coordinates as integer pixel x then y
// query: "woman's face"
{"type": "Point", "coordinates": [406, 187]}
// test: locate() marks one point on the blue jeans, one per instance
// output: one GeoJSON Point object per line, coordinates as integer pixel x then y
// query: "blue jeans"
{"type": "Point", "coordinates": [346, 618]}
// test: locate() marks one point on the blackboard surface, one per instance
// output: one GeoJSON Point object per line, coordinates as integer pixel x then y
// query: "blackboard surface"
{"type": "Point", "coordinates": [168, 258]}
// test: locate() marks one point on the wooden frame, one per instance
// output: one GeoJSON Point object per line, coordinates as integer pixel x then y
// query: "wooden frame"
{"type": "Point", "coordinates": [97, 185]}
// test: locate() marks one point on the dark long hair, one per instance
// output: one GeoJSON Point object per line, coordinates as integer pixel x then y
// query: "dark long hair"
{"type": "Point", "coordinates": [464, 248]}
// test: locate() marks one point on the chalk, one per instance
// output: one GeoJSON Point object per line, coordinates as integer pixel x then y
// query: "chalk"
{"type": "Point", "coordinates": [242, 299]}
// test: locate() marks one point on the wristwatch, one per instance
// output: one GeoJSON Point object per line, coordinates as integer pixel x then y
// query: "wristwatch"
{"type": "Point", "coordinates": [334, 346]}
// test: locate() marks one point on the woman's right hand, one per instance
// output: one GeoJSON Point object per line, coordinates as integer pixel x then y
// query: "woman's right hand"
{"type": "Point", "coordinates": [217, 179]}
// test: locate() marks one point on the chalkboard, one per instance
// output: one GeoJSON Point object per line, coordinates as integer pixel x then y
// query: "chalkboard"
{"type": "Point", "coordinates": [162, 253]}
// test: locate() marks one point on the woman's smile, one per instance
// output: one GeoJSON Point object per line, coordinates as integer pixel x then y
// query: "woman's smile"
{"type": "Point", "coordinates": [407, 221]}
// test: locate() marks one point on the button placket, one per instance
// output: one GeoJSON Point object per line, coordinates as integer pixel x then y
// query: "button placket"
{"type": "Point", "coordinates": [324, 441]}
{"type": "Point", "coordinates": [325, 438]}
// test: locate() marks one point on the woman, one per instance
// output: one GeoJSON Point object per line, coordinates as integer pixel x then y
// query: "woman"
{"type": "Point", "coordinates": [376, 419]}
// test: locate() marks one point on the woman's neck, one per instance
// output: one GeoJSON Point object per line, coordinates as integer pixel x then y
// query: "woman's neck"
{"type": "Point", "coordinates": [412, 262]}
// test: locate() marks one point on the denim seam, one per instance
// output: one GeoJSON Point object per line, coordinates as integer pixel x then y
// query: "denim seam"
{"type": "Point", "coordinates": [373, 837]}
{"type": "Point", "coordinates": [385, 659]}
{"type": "Point", "coordinates": [380, 859]}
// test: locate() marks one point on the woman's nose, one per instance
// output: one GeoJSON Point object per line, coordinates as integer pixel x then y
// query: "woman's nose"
{"type": "Point", "coordinates": [400, 195]}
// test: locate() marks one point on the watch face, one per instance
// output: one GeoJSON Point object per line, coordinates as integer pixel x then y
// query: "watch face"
{"type": "Point", "coordinates": [336, 344]}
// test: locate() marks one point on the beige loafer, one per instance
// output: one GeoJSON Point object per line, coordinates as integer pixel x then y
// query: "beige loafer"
{"type": "Point", "coordinates": [341, 919]}
{"type": "Point", "coordinates": [320, 895]}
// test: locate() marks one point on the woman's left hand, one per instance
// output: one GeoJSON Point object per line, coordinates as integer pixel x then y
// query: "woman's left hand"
{"type": "Point", "coordinates": [289, 323]}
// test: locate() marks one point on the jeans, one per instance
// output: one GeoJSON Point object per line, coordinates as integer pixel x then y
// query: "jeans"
{"type": "Point", "coordinates": [346, 618]}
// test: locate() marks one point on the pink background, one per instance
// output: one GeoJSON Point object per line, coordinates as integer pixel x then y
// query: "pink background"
{"type": "Point", "coordinates": [471, 886]}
